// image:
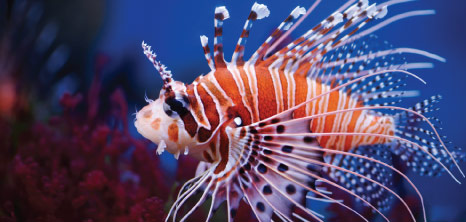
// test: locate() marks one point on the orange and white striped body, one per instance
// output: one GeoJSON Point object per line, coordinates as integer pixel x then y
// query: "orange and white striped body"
{"type": "Point", "coordinates": [256, 93]}
{"type": "Point", "coordinates": [262, 127]}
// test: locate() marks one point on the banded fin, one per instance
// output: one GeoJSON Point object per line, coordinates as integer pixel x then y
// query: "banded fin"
{"type": "Point", "coordinates": [306, 55]}
{"type": "Point", "coordinates": [258, 11]}
{"type": "Point", "coordinates": [308, 46]}
{"type": "Point", "coordinates": [261, 52]}
{"type": "Point", "coordinates": [207, 54]}
{"type": "Point", "coordinates": [221, 14]}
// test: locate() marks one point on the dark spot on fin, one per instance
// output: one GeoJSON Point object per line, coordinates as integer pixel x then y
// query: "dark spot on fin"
{"type": "Point", "coordinates": [282, 167]}
{"type": "Point", "coordinates": [260, 206]}
{"type": "Point", "coordinates": [262, 168]}
{"type": "Point", "coordinates": [267, 190]}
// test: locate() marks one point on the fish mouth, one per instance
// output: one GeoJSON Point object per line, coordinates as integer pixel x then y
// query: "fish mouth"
{"type": "Point", "coordinates": [162, 144]}
{"type": "Point", "coordinates": [146, 131]}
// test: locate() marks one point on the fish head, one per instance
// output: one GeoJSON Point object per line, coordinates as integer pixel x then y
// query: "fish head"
{"type": "Point", "coordinates": [161, 120]}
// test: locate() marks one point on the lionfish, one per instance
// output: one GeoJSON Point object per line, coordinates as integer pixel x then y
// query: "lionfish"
{"type": "Point", "coordinates": [279, 128]}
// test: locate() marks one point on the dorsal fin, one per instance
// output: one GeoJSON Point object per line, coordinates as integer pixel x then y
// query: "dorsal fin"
{"type": "Point", "coordinates": [285, 25]}
{"type": "Point", "coordinates": [205, 47]}
{"type": "Point", "coordinates": [258, 11]}
{"type": "Point", "coordinates": [221, 14]}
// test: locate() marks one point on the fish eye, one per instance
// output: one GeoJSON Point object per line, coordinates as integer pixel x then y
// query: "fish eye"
{"type": "Point", "coordinates": [176, 106]}
{"type": "Point", "coordinates": [238, 121]}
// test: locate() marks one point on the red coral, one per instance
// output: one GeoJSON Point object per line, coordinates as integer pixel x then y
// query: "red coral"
{"type": "Point", "coordinates": [149, 210]}
{"type": "Point", "coordinates": [94, 181]}
{"type": "Point", "coordinates": [78, 167]}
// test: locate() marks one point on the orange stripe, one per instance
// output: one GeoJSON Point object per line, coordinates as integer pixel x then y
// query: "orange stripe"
{"type": "Point", "coordinates": [217, 94]}
{"type": "Point", "coordinates": [300, 94]}
{"type": "Point", "coordinates": [195, 104]}
{"type": "Point", "coordinates": [266, 93]}
{"type": "Point", "coordinates": [229, 85]}
{"type": "Point", "coordinates": [329, 120]}
{"type": "Point", "coordinates": [284, 84]}
{"type": "Point", "coordinates": [223, 148]}
{"type": "Point", "coordinates": [210, 112]}
{"type": "Point", "coordinates": [248, 93]}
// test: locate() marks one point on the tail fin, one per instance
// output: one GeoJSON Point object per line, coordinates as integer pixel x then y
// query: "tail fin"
{"type": "Point", "coordinates": [412, 127]}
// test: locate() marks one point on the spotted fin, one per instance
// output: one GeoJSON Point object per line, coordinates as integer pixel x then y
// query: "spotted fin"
{"type": "Point", "coordinates": [376, 195]}
{"type": "Point", "coordinates": [412, 127]}
{"type": "Point", "coordinates": [278, 165]}
{"type": "Point", "coordinates": [274, 183]}
{"type": "Point", "coordinates": [284, 129]}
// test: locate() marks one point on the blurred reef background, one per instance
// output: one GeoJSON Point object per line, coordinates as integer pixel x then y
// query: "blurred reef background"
{"type": "Point", "coordinates": [72, 74]}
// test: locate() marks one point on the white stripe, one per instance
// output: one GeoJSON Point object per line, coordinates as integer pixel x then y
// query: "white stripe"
{"type": "Point", "coordinates": [314, 94]}
{"type": "Point", "coordinates": [213, 80]}
{"type": "Point", "coordinates": [323, 108]}
{"type": "Point", "coordinates": [277, 84]}
{"type": "Point", "coordinates": [290, 85]}
{"type": "Point", "coordinates": [347, 120]}
{"type": "Point", "coordinates": [361, 118]}
{"type": "Point", "coordinates": [310, 87]}
{"type": "Point", "coordinates": [241, 88]}
{"type": "Point", "coordinates": [201, 107]}
{"type": "Point", "coordinates": [250, 71]}
{"type": "Point", "coordinates": [218, 106]}
{"type": "Point", "coordinates": [336, 121]}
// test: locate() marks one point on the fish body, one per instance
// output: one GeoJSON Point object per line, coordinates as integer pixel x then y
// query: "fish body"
{"type": "Point", "coordinates": [237, 94]}
{"type": "Point", "coordinates": [287, 122]}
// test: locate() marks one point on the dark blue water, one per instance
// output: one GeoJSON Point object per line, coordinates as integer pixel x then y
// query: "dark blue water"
{"type": "Point", "coordinates": [173, 29]}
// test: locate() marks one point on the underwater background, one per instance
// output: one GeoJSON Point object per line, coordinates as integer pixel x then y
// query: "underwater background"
{"type": "Point", "coordinates": [72, 73]}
